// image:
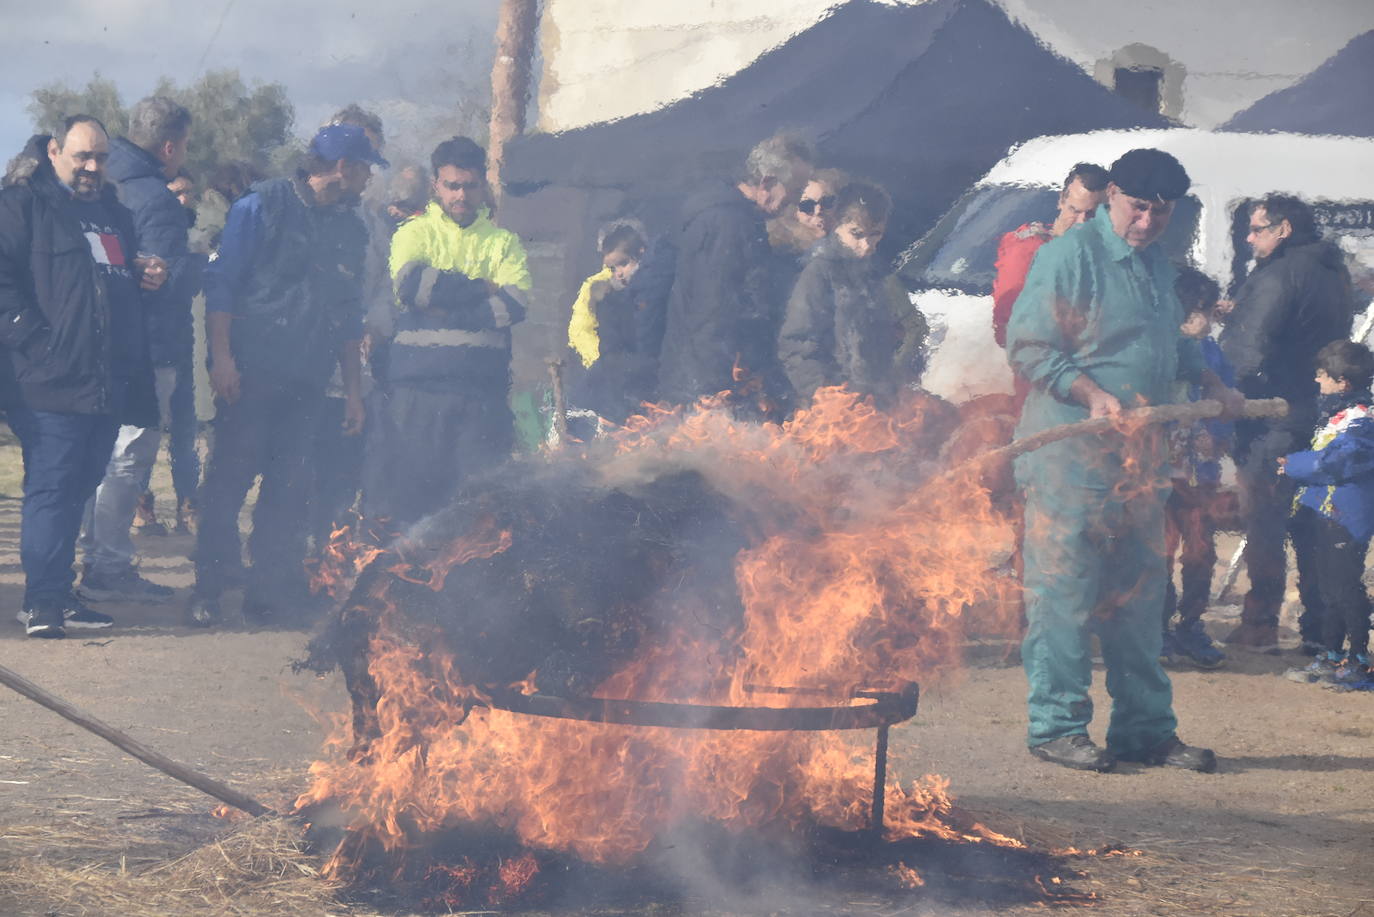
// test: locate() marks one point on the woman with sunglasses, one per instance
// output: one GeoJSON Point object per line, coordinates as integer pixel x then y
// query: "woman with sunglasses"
{"type": "Point", "coordinates": [794, 232]}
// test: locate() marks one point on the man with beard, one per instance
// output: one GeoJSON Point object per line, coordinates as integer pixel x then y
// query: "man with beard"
{"type": "Point", "coordinates": [283, 304]}
{"type": "Point", "coordinates": [725, 309]}
{"type": "Point", "coordinates": [1296, 300]}
{"type": "Point", "coordinates": [141, 165]}
{"type": "Point", "coordinates": [459, 280]}
{"type": "Point", "coordinates": [1096, 328]}
{"type": "Point", "coordinates": [75, 359]}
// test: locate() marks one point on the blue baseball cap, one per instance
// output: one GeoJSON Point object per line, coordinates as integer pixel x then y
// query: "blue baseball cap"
{"type": "Point", "coordinates": [345, 141]}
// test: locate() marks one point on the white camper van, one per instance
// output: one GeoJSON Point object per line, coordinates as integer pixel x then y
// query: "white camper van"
{"type": "Point", "coordinates": [951, 269]}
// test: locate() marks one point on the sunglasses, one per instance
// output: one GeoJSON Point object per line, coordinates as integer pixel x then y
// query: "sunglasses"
{"type": "Point", "coordinates": [808, 205]}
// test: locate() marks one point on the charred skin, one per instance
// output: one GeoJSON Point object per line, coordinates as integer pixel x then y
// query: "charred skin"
{"type": "Point", "coordinates": [587, 577]}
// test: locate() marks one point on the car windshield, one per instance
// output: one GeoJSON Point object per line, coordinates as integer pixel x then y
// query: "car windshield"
{"type": "Point", "coordinates": [961, 251]}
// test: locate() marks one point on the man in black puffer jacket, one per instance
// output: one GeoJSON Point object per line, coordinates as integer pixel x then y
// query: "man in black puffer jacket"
{"type": "Point", "coordinates": [141, 166]}
{"type": "Point", "coordinates": [724, 310]}
{"type": "Point", "coordinates": [73, 350]}
{"type": "Point", "coordinates": [1297, 300]}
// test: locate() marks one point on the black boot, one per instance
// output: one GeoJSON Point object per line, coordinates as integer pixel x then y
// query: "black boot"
{"type": "Point", "coordinates": [1173, 753]}
{"type": "Point", "coordinates": [1078, 752]}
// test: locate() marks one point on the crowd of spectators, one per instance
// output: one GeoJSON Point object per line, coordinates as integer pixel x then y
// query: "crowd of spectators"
{"type": "Point", "coordinates": [359, 358]}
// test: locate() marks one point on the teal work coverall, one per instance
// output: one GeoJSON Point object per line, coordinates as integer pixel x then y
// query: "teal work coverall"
{"type": "Point", "coordinates": [1094, 542]}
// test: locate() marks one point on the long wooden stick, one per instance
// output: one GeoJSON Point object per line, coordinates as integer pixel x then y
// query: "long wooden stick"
{"type": "Point", "coordinates": [1165, 413]}
{"type": "Point", "coordinates": [171, 768]}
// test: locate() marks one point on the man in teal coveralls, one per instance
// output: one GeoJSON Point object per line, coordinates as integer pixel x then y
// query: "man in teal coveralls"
{"type": "Point", "coordinates": [1096, 328]}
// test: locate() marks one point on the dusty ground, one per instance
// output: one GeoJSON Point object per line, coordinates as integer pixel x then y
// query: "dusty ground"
{"type": "Point", "coordinates": [1284, 829]}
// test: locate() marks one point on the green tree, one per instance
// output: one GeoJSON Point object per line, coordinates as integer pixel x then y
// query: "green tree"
{"type": "Point", "coordinates": [231, 121]}
{"type": "Point", "coordinates": [54, 103]}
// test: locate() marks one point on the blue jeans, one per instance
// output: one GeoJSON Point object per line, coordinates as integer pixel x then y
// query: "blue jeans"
{"type": "Point", "coordinates": [64, 459]}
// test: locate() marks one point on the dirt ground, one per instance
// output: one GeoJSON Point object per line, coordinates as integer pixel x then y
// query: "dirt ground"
{"type": "Point", "coordinates": [1285, 828]}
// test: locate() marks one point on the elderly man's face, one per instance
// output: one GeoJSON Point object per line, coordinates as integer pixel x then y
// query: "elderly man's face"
{"type": "Point", "coordinates": [80, 162]}
{"type": "Point", "coordinates": [1137, 221]}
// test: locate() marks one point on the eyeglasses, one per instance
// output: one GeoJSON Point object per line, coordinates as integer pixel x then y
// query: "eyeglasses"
{"type": "Point", "coordinates": [1254, 230]}
{"type": "Point", "coordinates": [808, 205]}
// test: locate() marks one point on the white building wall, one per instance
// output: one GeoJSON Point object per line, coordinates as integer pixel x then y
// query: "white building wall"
{"type": "Point", "coordinates": [606, 59]}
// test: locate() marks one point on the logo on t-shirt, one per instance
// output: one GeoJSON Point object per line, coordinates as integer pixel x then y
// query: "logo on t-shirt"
{"type": "Point", "coordinates": [106, 249]}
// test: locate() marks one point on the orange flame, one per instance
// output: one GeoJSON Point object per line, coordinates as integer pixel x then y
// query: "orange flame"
{"type": "Point", "coordinates": [858, 577]}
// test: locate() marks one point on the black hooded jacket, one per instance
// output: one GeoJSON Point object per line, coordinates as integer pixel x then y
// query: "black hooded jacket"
{"type": "Point", "coordinates": [723, 306]}
{"type": "Point", "coordinates": [58, 309]}
{"type": "Point", "coordinates": [1293, 304]}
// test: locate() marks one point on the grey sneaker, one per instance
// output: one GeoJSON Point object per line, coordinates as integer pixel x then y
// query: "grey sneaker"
{"type": "Point", "coordinates": [44, 621]}
{"type": "Point", "coordinates": [125, 586]}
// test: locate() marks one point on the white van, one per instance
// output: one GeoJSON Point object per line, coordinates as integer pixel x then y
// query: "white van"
{"type": "Point", "coordinates": [951, 269]}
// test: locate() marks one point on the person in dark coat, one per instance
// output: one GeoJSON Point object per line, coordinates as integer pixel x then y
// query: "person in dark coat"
{"type": "Point", "coordinates": [141, 166]}
{"type": "Point", "coordinates": [848, 321]}
{"type": "Point", "coordinates": [1296, 300]}
{"type": "Point", "coordinates": [73, 350]}
{"type": "Point", "coordinates": [724, 309]}
{"type": "Point", "coordinates": [283, 304]}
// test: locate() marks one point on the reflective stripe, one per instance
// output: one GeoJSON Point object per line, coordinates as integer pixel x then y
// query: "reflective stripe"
{"type": "Point", "coordinates": [452, 337]}
{"type": "Point", "coordinates": [428, 278]}
{"type": "Point", "coordinates": [499, 311]}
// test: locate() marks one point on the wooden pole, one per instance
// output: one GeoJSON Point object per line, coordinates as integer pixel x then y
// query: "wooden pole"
{"type": "Point", "coordinates": [171, 768]}
{"type": "Point", "coordinates": [510, 82]}
{"type": "Point", "coordinates": [1165, 413]}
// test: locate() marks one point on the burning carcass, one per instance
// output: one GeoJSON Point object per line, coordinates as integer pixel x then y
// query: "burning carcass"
{"type": "Point", "coordinates": [676, 627]}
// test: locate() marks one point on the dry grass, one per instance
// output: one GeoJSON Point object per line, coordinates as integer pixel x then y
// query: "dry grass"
{"type": "Point", "coordinates": [260, 867]}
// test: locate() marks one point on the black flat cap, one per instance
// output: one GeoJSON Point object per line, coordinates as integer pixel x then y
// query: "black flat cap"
{"type": "Point", "coordinates": [1152, 175]}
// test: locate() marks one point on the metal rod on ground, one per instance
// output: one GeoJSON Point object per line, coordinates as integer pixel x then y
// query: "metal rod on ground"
{"type": "Point", "coordinates": [560, 403]}
{"type": "Point", "coordinates": [133, 747]}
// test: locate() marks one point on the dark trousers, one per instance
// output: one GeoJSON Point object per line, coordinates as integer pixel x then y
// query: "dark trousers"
{"type": "Point", "coordinates": [267, 432]}
{"type": "Point", "coordinates": [1266, 502]}
{"type": "Point", "coordinates": [338, 466]}
{"type": "Point", "coordinates": [1331, 583]}
{"type": "Point", "coordinates": [64, 459]}
{"type": "Point", "coordinates": [1189, 533]}
{"type": "Point", "coordinates": [421, 445]}
{"type": "Point", "coordinates": [181, 435]}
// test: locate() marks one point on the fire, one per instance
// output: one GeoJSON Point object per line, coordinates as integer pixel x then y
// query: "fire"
{"type": "Point", "coordinates": [858, 577]}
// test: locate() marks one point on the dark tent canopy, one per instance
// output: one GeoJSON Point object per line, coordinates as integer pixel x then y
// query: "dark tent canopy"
{"type": "Point", "coordinates": [1333, 99]}
{"type": "Point", "coordinates": [921, 98]}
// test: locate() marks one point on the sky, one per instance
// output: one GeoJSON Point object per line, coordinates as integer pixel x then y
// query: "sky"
{"type": "Point", "coordinates": [420, 58]}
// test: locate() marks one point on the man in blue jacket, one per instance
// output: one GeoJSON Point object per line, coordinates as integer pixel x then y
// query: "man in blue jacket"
{"type": "Point", "coordinates": [141, 165]}
{"type": "Point", "coordinates": [283, 304]}
{"type": "Point", "coordinates": [73, 351]}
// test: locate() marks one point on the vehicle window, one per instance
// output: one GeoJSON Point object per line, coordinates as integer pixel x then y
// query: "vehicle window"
{"type": "Point", "coordinates": [1351, 226]}
{"type": "Point", "coordinates": [961, 251]}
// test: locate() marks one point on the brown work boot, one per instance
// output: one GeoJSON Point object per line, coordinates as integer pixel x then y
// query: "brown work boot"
{"type": "Point", "coordinates": [145, 516]}
{"type": "Point", "coordinates": [186, 517]}
{"type": "Point", "coordinates": [1258, 638]}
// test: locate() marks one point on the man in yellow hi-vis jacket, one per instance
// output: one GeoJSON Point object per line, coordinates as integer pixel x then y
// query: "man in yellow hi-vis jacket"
{"type": "Point", "coordinates": [459, 281]}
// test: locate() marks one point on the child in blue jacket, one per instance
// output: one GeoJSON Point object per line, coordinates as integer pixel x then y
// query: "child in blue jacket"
{"type": "Point", "coordinates": [1333, 515]}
